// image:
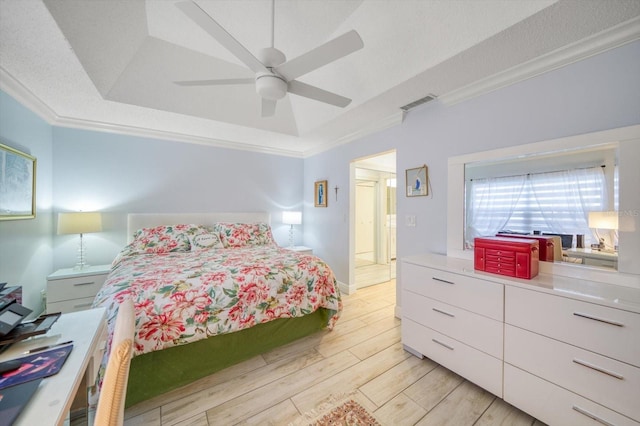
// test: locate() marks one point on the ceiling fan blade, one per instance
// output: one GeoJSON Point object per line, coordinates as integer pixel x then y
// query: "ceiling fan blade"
{"type": "Point", "coordinates": [215, 82]}
{"type": "Point", "coordinates": [312, 92]}
{"type": "Point", "coordinates": [209, 24]}
{"type": "Point", "coordinates": [268, 107]}
{"type": "Point", "coordinates": [321, 55]}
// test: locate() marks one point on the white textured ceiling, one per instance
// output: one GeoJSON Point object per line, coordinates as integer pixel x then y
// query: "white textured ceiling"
{"type": "Point", "coordinates": [111, 63]}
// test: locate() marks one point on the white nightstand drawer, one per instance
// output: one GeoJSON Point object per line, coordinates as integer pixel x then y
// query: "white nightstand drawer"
{"type": "Point", "coordinates": [606, 381]}
{"type": "Point", "coordinates": [476, 366]}
{"type": "Point", "coordinates": [555, 405]}
{"type": "Point", "coordinates": [74, 288]}
{"type": "Point", "coordinates": [475, 330]}
{"type": "Point", "coordinates": [594, 327]}
{"type": "Point", "coordinates": [72, 305]}
{"type": "Point", "coordinates": [475, 295]}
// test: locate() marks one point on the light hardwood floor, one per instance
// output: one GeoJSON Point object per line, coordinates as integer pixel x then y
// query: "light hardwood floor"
{"type": "Point", "coordinates": [362, 357]}
{"type": "Point", "coordinates": [374, 273]}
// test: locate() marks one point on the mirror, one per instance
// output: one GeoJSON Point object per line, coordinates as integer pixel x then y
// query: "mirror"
{"type": "Point", "coordinates": [549, 197]}
{"type": "Point", "coordinates": [622, 141]}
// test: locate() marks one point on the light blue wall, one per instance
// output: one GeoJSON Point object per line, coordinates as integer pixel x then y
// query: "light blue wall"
{"type": "Point", "coordinates": [118, 174]}
{"type": "Point", "coordinates": [598, 93]}
{"type": "Point", "coordinates": [25, 245]}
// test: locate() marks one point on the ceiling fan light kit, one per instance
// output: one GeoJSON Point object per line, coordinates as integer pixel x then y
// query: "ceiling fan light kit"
{"type": "Point", "coordinates": [274, 75]}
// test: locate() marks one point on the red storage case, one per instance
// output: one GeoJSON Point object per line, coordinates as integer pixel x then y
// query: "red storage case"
{"type": "Point", "coordinates": [545, 244]}
{"type": "Point", "coordinates": [513, 257]}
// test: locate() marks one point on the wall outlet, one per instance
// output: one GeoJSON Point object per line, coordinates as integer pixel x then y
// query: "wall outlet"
{"type": "Point", "coordinates": [410, 220]}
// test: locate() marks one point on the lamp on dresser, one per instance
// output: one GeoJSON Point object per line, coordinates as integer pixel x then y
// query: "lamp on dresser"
{"type": "Point", "coordinates": [291, 218]}
{"type": "Point", "coordinates": [604, 220]}
{"type": "Point", "coordinates": [79, 223]}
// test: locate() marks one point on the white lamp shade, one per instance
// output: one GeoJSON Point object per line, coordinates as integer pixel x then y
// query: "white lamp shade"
{"type": "Point", "coordinates": [292, 218]}
{"type": "Point", "coordinates": [79, 222]}
{"type": "Point", "coordinates": [603, 220]}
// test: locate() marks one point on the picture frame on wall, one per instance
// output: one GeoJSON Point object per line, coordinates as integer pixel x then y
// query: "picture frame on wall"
{"type": "Point", "coordinates": [417, 181]}
{"type": "Point", "coordinates": [320, 193]}
{"type": "Point", "coordinates": [17, 184]}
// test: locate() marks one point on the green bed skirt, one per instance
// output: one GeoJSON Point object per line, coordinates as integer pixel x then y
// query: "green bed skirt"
{"type": "Point", "coordinates": [155, 373]}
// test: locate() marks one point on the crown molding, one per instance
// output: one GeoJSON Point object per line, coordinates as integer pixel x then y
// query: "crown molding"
{"type": "Point", "coordinates": [24, 96]}
{"type": "Point", "coordinates": [29, 100]}
{"type": "Point", "coordinates": [611, 38]}
{"type": "Point", "coordinates": [391, 120]}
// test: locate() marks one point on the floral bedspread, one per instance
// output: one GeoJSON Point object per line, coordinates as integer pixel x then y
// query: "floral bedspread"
{"type": "Point", "coordinates": [184, 297]}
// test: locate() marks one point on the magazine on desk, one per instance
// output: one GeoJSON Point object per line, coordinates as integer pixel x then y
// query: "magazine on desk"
{"type": "Point", "coordinates": [36, 366]}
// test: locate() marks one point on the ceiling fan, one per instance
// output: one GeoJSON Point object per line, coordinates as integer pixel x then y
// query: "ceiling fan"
{"type": "Point", "coordinates": [275, 76]}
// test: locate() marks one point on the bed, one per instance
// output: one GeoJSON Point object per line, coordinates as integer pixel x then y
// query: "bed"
{"type": "Point", "coordinates": [211, 290]}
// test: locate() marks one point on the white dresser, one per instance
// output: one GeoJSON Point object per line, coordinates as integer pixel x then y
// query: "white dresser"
{"type": "Point", "coordinates": [564, 350]}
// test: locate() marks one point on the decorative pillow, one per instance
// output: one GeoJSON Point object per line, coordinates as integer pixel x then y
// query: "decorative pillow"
{"type": "Point", "coordinates": [206, 241]}
{"type": "Point", "coordinates": [165, 238]}
{"type": "Point", "coordinates": [244, 234]}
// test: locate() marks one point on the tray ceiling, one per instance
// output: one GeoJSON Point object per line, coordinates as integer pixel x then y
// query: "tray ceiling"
{"type": "Point", "coordinates": [111, 64]}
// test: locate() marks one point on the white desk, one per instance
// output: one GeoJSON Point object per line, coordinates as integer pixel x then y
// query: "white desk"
{"type": "Point", "coordinates": [50, 404]}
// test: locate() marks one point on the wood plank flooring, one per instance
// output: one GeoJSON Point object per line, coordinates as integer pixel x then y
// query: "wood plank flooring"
{"type": "Point", "coordinates": [362, 357]}
{"type": "Point", "coordinates": [374, 273]}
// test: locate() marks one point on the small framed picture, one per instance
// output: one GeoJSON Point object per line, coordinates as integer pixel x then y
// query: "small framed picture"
{"type": "Point", "coordinates": [417, 182]}
{"type": "Point", "coordinates": [320, 193]}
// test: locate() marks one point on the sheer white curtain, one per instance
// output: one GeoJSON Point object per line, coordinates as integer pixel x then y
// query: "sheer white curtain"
{"type": "Point", "coordinates": [553, 202]}
{"type": "Point", "coordinates": [490, 204]}
{"type": "Point", "coordinates": [565, 198]}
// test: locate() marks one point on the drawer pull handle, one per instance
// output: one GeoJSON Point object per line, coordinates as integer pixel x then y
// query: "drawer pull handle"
{"type": "Point", "coordinates": [600, 369]}
{"type": "Point", "coordinates": [442, 344]}
{"type": "Point", "coordinates": [592, 416]}
{"type": "Point", "coordinates": [444, 312]}
{"type": "Point", "coordinates": [442, 281]}
{"type": "Point", "coordinates": [591, 317]}
{"type": "Point", "coordinates": [82, 305]}
{"type": "Point", "coordinates": [81, 284]}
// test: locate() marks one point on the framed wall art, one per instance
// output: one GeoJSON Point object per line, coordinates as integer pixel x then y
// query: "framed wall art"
{"type": "Point", "coordinates": [320, 193]}
{"type": "Point", "coordinates": [17, 184]}
{"type": "Point", "coordinates": [417, 181]}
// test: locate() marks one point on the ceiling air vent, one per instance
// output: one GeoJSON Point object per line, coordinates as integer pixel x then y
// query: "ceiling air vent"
{"type": "Point", "coordinates": [430, 97]}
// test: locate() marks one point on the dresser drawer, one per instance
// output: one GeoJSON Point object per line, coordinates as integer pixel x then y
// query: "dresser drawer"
{"type": "Point", "coordinates": [475, 330]}
{"type": "Point", "coordinates": [72, 305]}
{"type": "Point", "coordinates": [554, 405]}
{"type": "Point", "coordinates": [74, 288]}
{"type": "Point", "coordinates": [473, 294]}
{"type": "Point", "coordinates": [606, 381]}
{"type": "Point", "coordinates": [594, 327]}
{"type": "Point", "coordinates": [476, 366]}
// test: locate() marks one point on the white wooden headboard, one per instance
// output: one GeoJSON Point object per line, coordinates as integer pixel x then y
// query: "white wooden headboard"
{"type": "Point", "coordinates": [136, 221]}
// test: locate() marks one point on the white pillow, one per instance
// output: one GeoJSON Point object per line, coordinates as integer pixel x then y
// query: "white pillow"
{"type": "Point", "coordinates": [205, 242]}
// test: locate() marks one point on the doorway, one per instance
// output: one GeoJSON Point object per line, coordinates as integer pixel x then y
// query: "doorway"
{"type": "Point", "coordinates": [374, 217]}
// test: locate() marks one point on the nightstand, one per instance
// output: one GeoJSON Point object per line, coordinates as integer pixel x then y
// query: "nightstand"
{"type": "Point", "coordinates": [300, 249]}
{"type": "Point", "coordinates": [71, 290]}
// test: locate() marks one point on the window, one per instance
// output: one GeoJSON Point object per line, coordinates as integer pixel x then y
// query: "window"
{"type": "Point", "coordinates": [552, 202]}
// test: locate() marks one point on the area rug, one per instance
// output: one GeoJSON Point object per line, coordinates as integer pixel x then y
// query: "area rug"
{"type": "Point", "coordinates": [338, 411]}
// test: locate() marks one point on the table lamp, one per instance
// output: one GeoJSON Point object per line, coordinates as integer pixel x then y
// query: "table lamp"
{"type": "Point", "coordinates": [603, 220]}
{"type": "Point", "coordinates": [79, 223]}
{"type": "Point", "coordinates": [291, 218]}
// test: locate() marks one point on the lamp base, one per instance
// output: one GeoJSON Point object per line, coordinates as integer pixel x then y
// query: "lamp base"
{"type": "Point", "coordinates": [80, 267]}
{"type": "Point", "coordinates": [291, 237]}
{"type": "Point", "coordinates": [82, 264]}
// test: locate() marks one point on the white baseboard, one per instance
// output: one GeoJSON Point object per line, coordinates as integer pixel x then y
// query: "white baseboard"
{"type": "Point", "coordinates": [398, 312]}
{"type": "Point", "coordinates": [346, 288]}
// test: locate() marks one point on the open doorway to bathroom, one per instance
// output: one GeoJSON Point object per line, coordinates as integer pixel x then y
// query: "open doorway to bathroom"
{"type": "Point", "coordinates": [374, 213]}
